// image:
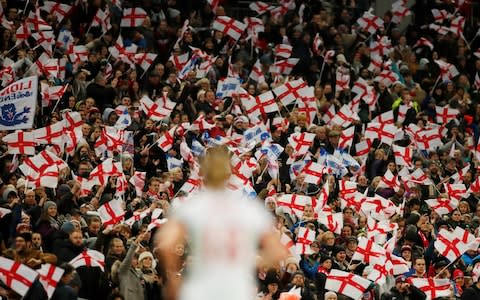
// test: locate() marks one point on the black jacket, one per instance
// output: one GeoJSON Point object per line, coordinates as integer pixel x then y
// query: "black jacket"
{"type": "Point", "coordinates": [414, 294]}
{"type": "Point", "coordinates": [472, 293]}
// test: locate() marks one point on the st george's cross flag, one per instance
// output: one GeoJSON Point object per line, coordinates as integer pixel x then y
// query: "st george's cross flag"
{"type": "Point", "coordinates": [18, 102]}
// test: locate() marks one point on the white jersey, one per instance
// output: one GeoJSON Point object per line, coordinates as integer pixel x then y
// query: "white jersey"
{"type": "Point", "coordinates": [224, 230]}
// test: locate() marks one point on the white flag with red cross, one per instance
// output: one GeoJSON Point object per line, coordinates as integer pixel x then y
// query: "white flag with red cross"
{"type": "Point", "coordinates": [442, 206]}
{"type": "Point", "coordinates": [59, 10]}
{"type": "Point", "coordinates": [369, 22]}
{"type": "Point", "coordinates": [20, 142]}
{"type": "Point", "coordinates": [445, 114]}
{"type": "Point", "coordinates": [138, 181]}
{"type": "Point", "coordinates": [16, 276]}
{"type": "Point", "coordinates": [333, 221]}
{"type": "Point", "coordinates": [453, 244]}
{"type": "Point", "coordinates": [229, 26]}
{"type": "Point", "coordinates": [447, 70]}
{"type": "Point", "coordinates": [290, 91]}
{"type": "Point", "coordinates": [89, 258]}
{"type": "Point", "coordinates": [294, 204]}
{"type": "Point", "coordinates": [133, 17]}
{"type": "Point", "coordinates": [305, 238]}
{"type": "Point", "coordinates": [49, 276]}
{"type": "Point", "coordinates": [368, 251]}
{"type": "Point", "coordinates": [260, 7]}
{"type": "Point", "coordinates": [153, 110]}
{"type": "Point", "coordinates": [301, 142]}
{"type": "Point", "coordinates": [284, 66]}
{"type": "Point", "coordinates": [260, 105]}
{"type": "Point", "coordinates": [283, 50]}
{"type": "Point", "coordinates": [347, 284]}
{"type": "Point", "coordinates": [111, 213]}
{"type": "Point", "coordinates": [434, 288]}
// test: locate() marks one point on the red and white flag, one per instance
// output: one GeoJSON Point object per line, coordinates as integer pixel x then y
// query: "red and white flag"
{"type": "Point", "coordinates": [385, 118]}
{"type": "Point", "coordinates": [286, 241]}
{"type": "Point", "coordinates": [457, 25]}
{"type": "Point", "coordinates": [399, 11]}
{"type": "Point", "coordinates": [305, 238]}
{"type": "Point", "coordinates": [36, 23]}
{"type": "Point", "coordinates": [344, 117]}
{"type": "Point", "coordinates": [363, 147]}
{"type": "Point", "coordinates": [403, 155]}
{"type": "Point", "coordinates": [137, 216]}
{"type": "Point", "coordinates": [156, 220]}
{"type": "Point", "coordinates": [50, 93]}
{"type": "Point", "coordinates": [179, 61]}
{"type": "Point", "coordinates": [284, 66]}
{"type": "Point", "coordinates": [456, 190]}
{"type": "Point", "coordinates": [390, 181]}
{"type": "Point", "coordinates": [290, 91]}
{"type": "Point", "coordinates": [145, 60]}
{"type": "Point", "coordinates": [423, 42]}
{"type": "Point", "coordinates": [193, 183]}
{"type": "Point", "coordinates": [294, 204]}
{"type": "Point", "coordinates": [102, 19]}
{"type": "Point", "coordinates": [433, 288]}
{"type": "Point", "coordinates": [153, 110]}
{"type": "Point", "coordinates": [370, 23]}
{"type": "Point", "coordinates": [442, 206]}
{"type": "Point", "coordinates": [283, 50]}
{"type": "Point", "coordinates": [458, 177]}
{"type": "Point", "coordinates": [16, 276]}
{"type": "Point", "coordinates": [342, 81]}
{"type": "Point", "coordinates": [346, 138]}
{"type": "Point", "coordinates": [445, 114]}
{"type": "Point", "coordinates": [387, 77]}
{"type": "Point", "coordinates": [347, 284]}
{"type": "Point", "coordinates": [260, 7]}
{"type": "Point", "coordinates": [133, 17]}
{"type": "Point", "coordinates": [49, 276]}
{"type": "Point", "coordinates": [440, 15]}
{"type": "Point", "coordinates": [381, 131]}
{"type": "Point", "coordinates": [59, 10]}
{"type": "Point", "coordinates": [45, 39]}
{"type": "Point", "coordinates": [111, 213]}
{"type": "Point", "coordinates": [89, 258]}
{"type": "Point", "coordinates": [20, 142]}
{"type": "Point", "coordinates": [260, 105]}
{"type": "Point", "coordinates": [301, 142]}
{"type": "Point", "coordinates": [368, 251]}
{"type": "Point", "coordinates": [333, 222]}
{"type": "Point", "coordinates": [257, 72]}
{"type": "Point", "coordinates": [103, 171]}
{"type": "Point", "coordinates": [314, 172]}
{"type": "Point", "coordinates": [165, 142]}
{"type": "Point", "coordinates": [138, 181]}
{"type": "Point", "coordinates": [453, 244]}
{"type": "Point", "coordinates": [51, 134]}
{"type": "Point", "coordinates": [22, 34]}
{"type": "Point", "coordinates": [229, 26]}
{"type": "Point", "coordinates": [447, 70]}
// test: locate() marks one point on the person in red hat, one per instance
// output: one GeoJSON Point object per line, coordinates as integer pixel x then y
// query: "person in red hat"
{"type": "Point", "coordinates": [459, 282]}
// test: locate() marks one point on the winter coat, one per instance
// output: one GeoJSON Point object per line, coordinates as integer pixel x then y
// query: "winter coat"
{"type": "Point", "coordinates": [131, 282]}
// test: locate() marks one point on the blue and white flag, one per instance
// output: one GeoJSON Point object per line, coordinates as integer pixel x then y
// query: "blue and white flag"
{"type": "Point", "coordinates": [173, 163]}
{"type": "Point", "coordinates": [124, 120]}
{"type": "Point", "coordinates": [18, 102]}
{"type": "Point", "coordinates": [188, 67]}
{"type": "Point", "coordinates": [197, 148]}
{"type": "Point", "coordinates": [226, 87]}
{"type": "Point", "coordinates": [257, 134]}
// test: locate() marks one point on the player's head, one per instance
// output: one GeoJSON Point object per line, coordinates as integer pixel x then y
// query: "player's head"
{"type": "Point", "coordinates": [215, 167]}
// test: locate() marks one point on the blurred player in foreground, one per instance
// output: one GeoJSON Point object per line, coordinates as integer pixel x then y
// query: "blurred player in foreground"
{"type": "Point", "coordinates": [225, 232]}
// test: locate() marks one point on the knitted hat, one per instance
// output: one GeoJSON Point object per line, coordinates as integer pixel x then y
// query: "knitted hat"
{"type": "Point", "coordinates": [146, 254]}
{"type": "Point", "coordinates": [7, 191]}
{"type": "Point", "coordinates": [48, 204]}
{"type": "Point", "coordinates": [67, 227]}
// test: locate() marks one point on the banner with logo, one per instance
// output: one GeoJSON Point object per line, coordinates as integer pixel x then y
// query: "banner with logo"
{"type": "Point", "coordinates": [18, 102]}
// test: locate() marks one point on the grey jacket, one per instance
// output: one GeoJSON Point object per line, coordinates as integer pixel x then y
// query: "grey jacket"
{"type": "Point", "coordinates": [131, 282]}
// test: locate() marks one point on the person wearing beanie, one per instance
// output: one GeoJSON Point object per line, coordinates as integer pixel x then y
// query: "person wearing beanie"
{"type": "Point", "coordinates": [271, 286]}
{"type": "Point", "coordinates": [299, 285]}
{"type": "Point", "coordinates": [403, 290]}
{"type": "Point", "coordinates": [330, 296]}
{"type": "Point", "coordinates": [458, 278]}
{"type": "Point", "coordinates": [326, 263]}
{"type": "Point", "coordinates": [48, 224]}
{"type": "Point", "coordinates": [146, 267]}
{"type": "Point", "coordinates": [340, 258]}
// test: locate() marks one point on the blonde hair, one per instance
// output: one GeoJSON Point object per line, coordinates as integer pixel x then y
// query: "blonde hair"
{"type": "Point", "coordinates": [215, 166]}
